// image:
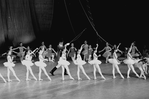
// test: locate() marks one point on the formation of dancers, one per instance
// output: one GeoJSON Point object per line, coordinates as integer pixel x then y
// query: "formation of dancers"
{"type": "Point", "coordinates": [90, 55]}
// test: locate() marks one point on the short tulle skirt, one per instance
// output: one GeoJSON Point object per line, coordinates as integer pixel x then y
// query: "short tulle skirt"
{"type": "Point", "coordinates": [107, 53]}
{"type": "Point", "coordinates": [80, 62]}
{"type": "Point", "coordinates": [63, 62]}
{"type": "Point", "coordinates": [129, 61]}
{"type": "Point", "coordinates": [113, 61]}
{"type": "Point", "coordinates": [8, 64]}
{"type": "Point", "coordinates": [95, 62]}
{"type": "Point", "coordinates": [40, 64]}
{"type": "Point", "coordinates": [27, 63]}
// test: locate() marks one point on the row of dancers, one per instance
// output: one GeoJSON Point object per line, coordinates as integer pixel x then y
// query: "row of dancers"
{"type": "Point", "coordinates": [62, 61]}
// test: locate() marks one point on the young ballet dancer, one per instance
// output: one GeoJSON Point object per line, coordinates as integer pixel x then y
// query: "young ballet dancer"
{"type": "Point", "coordinates": [64, 63]}
{"type": "Point", "coordinates": [130, 62]}
{"type": "Point", "coordinates": [28, 62]}
{"type": "Point", "coordinates": [79, 62]}
{"type": "Point", "coordinates": [41, 64]}
{"type": "Point", "coordinates": [90, 52]}
{"type": "Point", "coordinates": [115, 62]}
{"type": "Point", "coordinates": [95, 62]}
{"type": "Point", "coordinates": [85, 50]}
{"type": "Point", "coordinates": [60, 48]}
{"type": "Point", "coordinates": [21, 51]}
{"type": "Point", "coordinates": [50, 53]}
{"type": "Point", "coordinates": [72, 51]}
{"type": "Point", "coordinates": [43, 48]}
{"type": "Point", "coordinates": [10, 64]}
{"type": "Point", "coordinates": [134, 51]}
{"type": "Point", "coordinates": [107, 52]}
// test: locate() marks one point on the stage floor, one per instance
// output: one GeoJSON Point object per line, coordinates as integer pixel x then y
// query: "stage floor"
{"type": "Point", "coordinates": [132, 88]}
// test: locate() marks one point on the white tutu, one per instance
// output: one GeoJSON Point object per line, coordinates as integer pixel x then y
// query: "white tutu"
{"type": "Point", "coordinates": [95, 62]}
{"type": "Point", "coordinates": [8, 64]}
{"type": "Point", "coordinates": [129, 61]}
{"type": "Point", "coordinates": [27, 63]}
{"type": "Point", "coordinates": [63, 62]}
{"type": "Point", "coordinates": [113, 61]}
{"type": "Point", "coordinates": [40, 64]}
{"type": "Point", "coordinates": [80, 62]}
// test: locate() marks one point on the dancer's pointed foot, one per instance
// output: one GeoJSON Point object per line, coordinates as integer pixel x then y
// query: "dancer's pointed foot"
{"type": "Point", "coordinates": [18, 80]}
{"type": "Point", "coordinates": [40, 79]}
{"type": "Point", "coordinates": [95, 78]}
{"type": "Point", "coordinates": [88, 78]}
{"type": "Point", "coordinates": [35, 79]}
{"type": "Point", "coordinates": [71, 78]}
{"type": "Point", "coordinates": [9, 80]}
{"type": "Point", "coordinates": [122, 77]}
{"type": "Point", "coordinates": [27, 79]}
{"type": "Point", "coordinates": [79, 78]}
{"type": "Point", "coordinates": [128, 76]}
{"type": "Point", "coordinates": [103, 77]}
{"type": "Point", "coordinates": [114, 77]}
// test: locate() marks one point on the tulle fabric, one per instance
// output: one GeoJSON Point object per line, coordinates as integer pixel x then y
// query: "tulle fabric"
{"type": "Point", "coordinates": [95, 62]}
{"type": "Point", "coordinates": [129, 61]}
{"type": "Point", "coordinates": [113, 61]}
{"type": "Point", "coordinates": [8, 64]}
{"type": "Point", "coordinates": [63, 62]}
{"type": "Point", "coordinates": [40, 64]}
{"type": "Point", "coordinates": [27, 63]}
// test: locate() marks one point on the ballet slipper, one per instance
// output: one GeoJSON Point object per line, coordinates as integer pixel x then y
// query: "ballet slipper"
{"type": "Point", "coordinates": [40, 79]}
{"type": "Point", "coordinates": [103, 78]}
{"type": "Point", "coordinates": [28, 79]}
{"type": "Point", "coordinates": [79, 78]}
{"type": "Point", "coordinates": [72, 78]}
{"type": "Point", "coordinates": [9, 80]}
{"type": "Point", "coordinates": [128, 76]}
{"type": "Point", "coordinates": [114, 77]}
{"type": "Point", "coordinates": [35, 79]}
{"type": "Point", "coordinates": [95, 78]}
{"type": "Point", "coordinates": [122, 77]}
{"type": "Point", "coordinates": [18, 80]}
{"type": "Point", "coordinates": [88, 78]}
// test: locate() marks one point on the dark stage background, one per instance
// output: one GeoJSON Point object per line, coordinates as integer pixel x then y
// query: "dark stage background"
{"type": "Point", "coordinates": [52, 21]}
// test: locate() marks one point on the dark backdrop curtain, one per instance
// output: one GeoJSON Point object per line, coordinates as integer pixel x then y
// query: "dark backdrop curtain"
{"type": "Point", "coordinates": [24, 20]}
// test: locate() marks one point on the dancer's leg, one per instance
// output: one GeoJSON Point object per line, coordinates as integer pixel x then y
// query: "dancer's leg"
{"type": "Point", "coordinates": [63, 73]}
{"type": "Point", "coordinates": [30, 69]}
{"type": "Point", "coordinates": [14, 73]}
{"type": "Point", "coordinates": [94, 71]}
{"type": "Point", "coordinates": [68, 71]}
{"type": "Point", "coordinates": [39, 75]}
{"type": "Point", "coordinates": [99, 70]}
{"type": "Point", "coordinates": [128, 71]}
{"type": "Point", "coordinates": [142, 73]}
{"type": "Point", "coordinates": [78, 72]}
{"type": "Point", "coordinates": [118, 70]}
{"type": "Point", "coordinates": [132, 68]}
{"type": "Point", "coordinates": [113, 71]}
{"type": "Point", "coordinates": [8, 74]}
{"type": "Point", "coordinates": [3, 78]}
{"type": "Point", "coordinates": [45, 72]}
{"type": "Point", "coordinates": [81, 67]}
{"type": "Point", "coordinates": [27, 73]}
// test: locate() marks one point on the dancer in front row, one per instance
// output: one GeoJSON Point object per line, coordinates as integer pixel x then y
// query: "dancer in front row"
{"type": "Point", "coordinates": [95, 62]}
{"type": "Point", "coordinates": [64, 64]}
{"type": "Point", "coordinates": [79, 62]}
{"type": "Point", "coordinates": [130, 62]}
{"type": "Point", "coordinates": [115, 62]}
{"type": "Point", "coordinates": [61, 48]}
{"type": "Point", "coordinates": [28, 63]}
{"type": "Point", "coordinates": [10, 64]}
{"type": "Point", "coordinates": [41, 64]}
{"type": "Point", "coordinates": [72, 51]}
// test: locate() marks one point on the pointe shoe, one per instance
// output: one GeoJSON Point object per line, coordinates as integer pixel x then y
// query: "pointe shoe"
{"type": "Point", "coordinates": [114, 77]}
{"type": "Point", "coordinates": [50, 79]}
{"type": "Point", "coordinates": [88, 78]}
{"type": "Point", "coordinates": [103, 78]}
{"type": "Point", "coordinates": [35, 79]}
{"type": "Point", "coordinates": [72, 78]}
{"type": "Point", "coordinates": [9, 80]}
{"type": "Point", "coordinates": [28, 79]}
{"type": "Point", "coordinates": [122, 77]}
{"type": "Point", "coordinates": [95, 78]}
{"type": "Point", "coordinates": [79, 78]}
{"type": "Point", "coordinates": [5, 81]}
{"type": "Point", "coordinates": [40, 79]}
{"type": "Point", "coordinates": [18, 80]}
{"type": "Point", "coordinates": [128, 76]}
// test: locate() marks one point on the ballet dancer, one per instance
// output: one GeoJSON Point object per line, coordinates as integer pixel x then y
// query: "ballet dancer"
{"type": "Point", "coordinates": [43, 48]}
{"type": "Point", "coordinates": [21, 51]}
{"type": "Point", "coordinates": [61, 47]}
{"type": "Point", "coordinates": [72, 51]}
{"type": "Point", "coordinates": [85, 50]}
{"type": "Point", "coordinates": [28, 63]}
{"type": "Point", "coordinates": [41, 64]}
{"type": "Point", "coordinates": [90, 52]}
{"type": "Point", "coordinates": [107, 52]}
{"type": "Point", "coordinates": [10, 64]}
{"type": "Point", "coordinates": [130, 62]}
{"type": "Point", "coordinates": [115, 62]}
{"type": "Point", "coordinates": [79, 62]}
{"type": "Point", "coordinates": [64, 64]}
{"type": "Point", "coordinates": [95, 62]}
{"type": "Point", "coordinates": [50, 53]}
{"type": "Point", "coordinates": [134, 50]}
